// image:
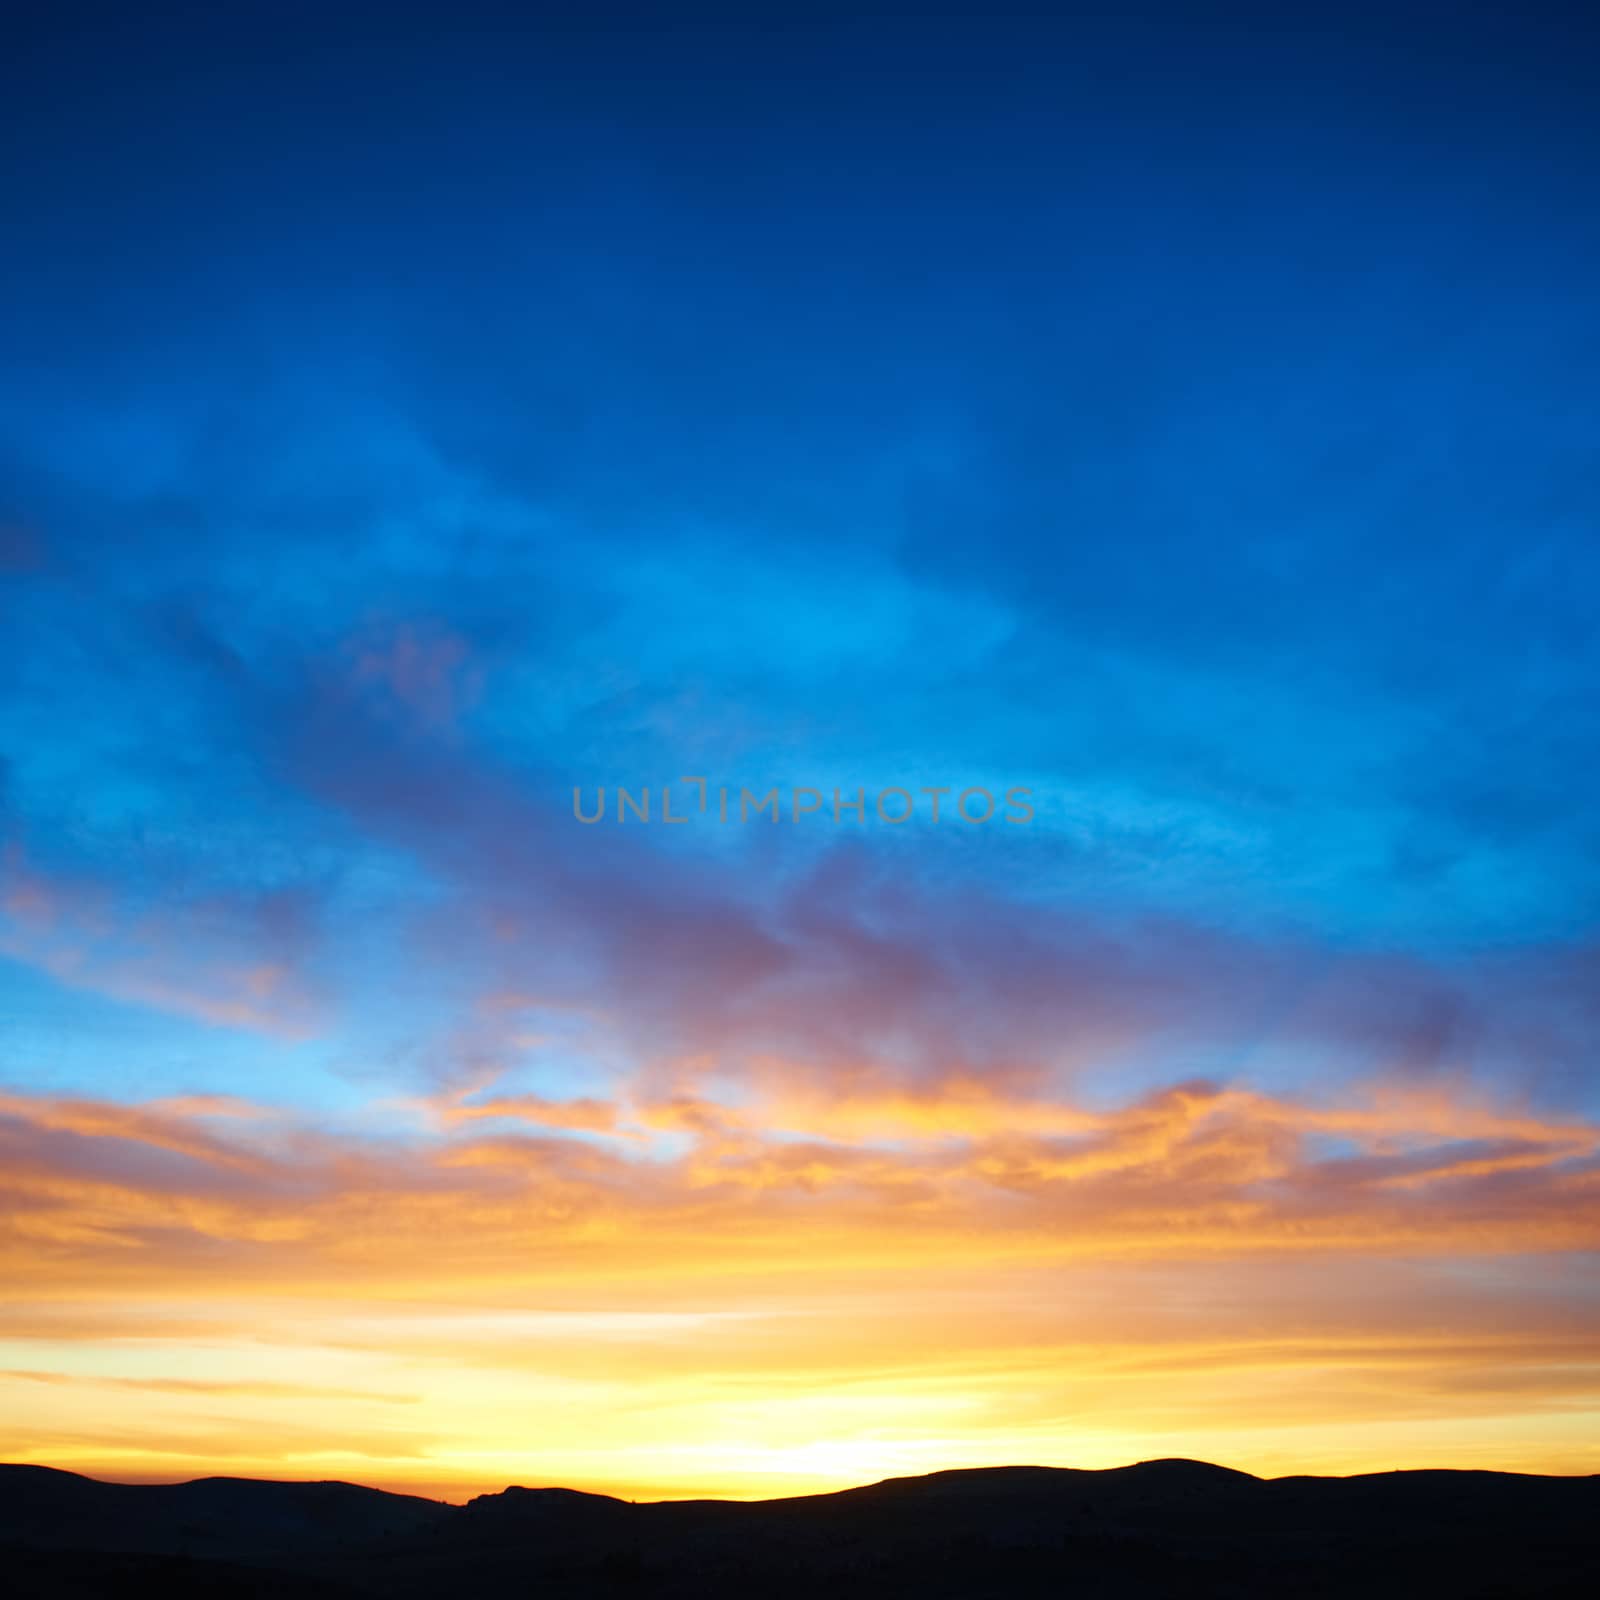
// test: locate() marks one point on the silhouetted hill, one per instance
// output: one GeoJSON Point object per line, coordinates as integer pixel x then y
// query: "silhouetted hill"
{"type": "Point", "coordinates": [1161, 1528]}
{"type": "Point", "coordinates": [222, 1516]}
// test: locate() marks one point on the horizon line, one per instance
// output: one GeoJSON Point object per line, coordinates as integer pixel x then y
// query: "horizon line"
{"type": "Point", "coordinates": [821, 1494]}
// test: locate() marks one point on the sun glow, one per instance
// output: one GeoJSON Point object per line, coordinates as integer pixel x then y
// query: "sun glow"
{"type": "Point", "coordinates": [751, 1313]}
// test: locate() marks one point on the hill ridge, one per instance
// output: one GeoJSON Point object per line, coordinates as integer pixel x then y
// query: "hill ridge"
{"type": "Point", "coordinates": [1150, 1528]}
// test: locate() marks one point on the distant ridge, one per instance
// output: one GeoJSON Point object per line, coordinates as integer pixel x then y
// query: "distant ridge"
{"type": "Point", "coordinates": [1165, 1527]}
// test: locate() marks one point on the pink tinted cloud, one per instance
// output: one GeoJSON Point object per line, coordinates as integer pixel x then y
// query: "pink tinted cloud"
{"type": "Point", "coordinates": [227, 958]}
{"type": "Point", "coordinates": [1193, 1170]}
{"type": "Point", "coordinates": [421, 669]}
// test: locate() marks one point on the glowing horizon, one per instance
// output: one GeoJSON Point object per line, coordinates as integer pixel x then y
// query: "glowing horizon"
{"type": "Point", "coordinates": [786, 1310]}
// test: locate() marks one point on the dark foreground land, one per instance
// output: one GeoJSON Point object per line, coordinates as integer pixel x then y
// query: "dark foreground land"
{"type": "Point", "coordinates": [1160, 1528]}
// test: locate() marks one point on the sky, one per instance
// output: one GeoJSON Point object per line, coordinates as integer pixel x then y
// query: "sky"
{"type": "Point", "coordinates": [418, 424]}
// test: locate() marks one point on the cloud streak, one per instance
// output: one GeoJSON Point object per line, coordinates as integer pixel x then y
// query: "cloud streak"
{"type": "Point", "coordinates": [961, 1275]}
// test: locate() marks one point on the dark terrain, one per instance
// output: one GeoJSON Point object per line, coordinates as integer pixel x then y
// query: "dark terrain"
{"type": "Point", "coordinates": [1159, 1528]}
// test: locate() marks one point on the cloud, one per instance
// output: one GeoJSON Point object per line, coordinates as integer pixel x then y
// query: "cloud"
{"type": "Point", "coordinates": [687, 1189]}
{"type": "Point", "coordinates": [423, 671]}
{"type": "Point", "coordinates": [254, 1390]}
{"type": "Point", "coordinates": [671, 1295]}
{"type": "Point", "coordinates": [221, 956]}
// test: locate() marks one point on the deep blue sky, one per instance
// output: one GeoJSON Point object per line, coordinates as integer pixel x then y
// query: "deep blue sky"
{"type": "Point", "coordinates": [1187, 413]}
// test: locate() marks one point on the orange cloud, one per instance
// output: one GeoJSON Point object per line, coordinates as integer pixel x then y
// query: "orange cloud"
{"type": "Point", "coordinates": [667, 1294]}
{"type": "Point", "coordinates": [1194, 1167]}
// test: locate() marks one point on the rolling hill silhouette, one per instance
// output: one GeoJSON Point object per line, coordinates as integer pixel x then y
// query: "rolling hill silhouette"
{"type": "Point", "coordinates": [1156, 1529]}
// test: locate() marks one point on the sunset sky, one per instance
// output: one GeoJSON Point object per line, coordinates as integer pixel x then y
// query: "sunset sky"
{"type": "Point", "coordinates": [412, 417]}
